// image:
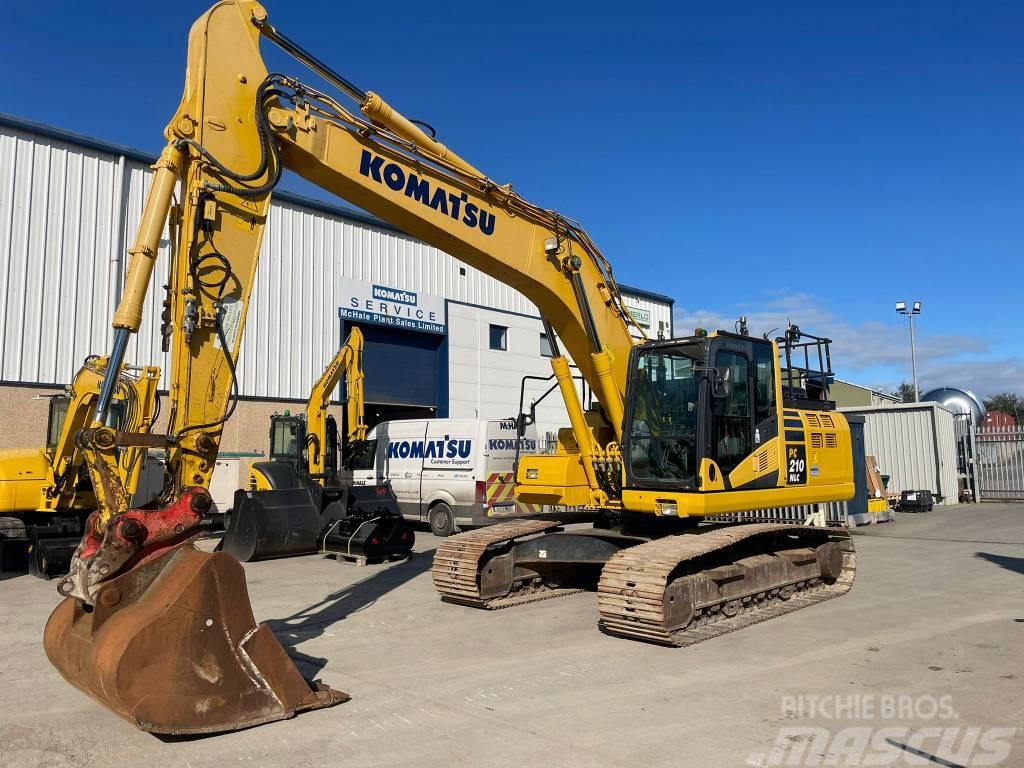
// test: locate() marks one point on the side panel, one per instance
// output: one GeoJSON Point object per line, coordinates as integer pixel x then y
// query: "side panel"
{"type": "Point", "coordinates": [450, 454]}
{"type": "Point", "coordinates": [399, 460]}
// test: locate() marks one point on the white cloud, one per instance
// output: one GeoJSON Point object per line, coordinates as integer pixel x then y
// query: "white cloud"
{"type": "Point", "coordinates": [869, 352]}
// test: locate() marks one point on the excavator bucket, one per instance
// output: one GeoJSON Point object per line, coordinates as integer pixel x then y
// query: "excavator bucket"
{"type": "Point", "coordinates": [172, 646]}
{"type": "Point", "coordinates": [277, 523]}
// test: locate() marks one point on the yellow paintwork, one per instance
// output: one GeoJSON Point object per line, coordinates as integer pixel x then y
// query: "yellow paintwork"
{"type": "Point", "coordinates": [258, 481]}
{"type": "Point", "coordinates": [723, 502]}
{"type": "Point", "coordinates": [378, 160]}
{"type": "Point", "coordinates": [710, 475]}
{"type": "Point", "coordinates": [763, 461]}
{"type": "Point", "coordinates": [878, 505]}
{"type": "Point", "coordinates": [347, 362]}
{"type": "Point", "coordinates": [30, 477]}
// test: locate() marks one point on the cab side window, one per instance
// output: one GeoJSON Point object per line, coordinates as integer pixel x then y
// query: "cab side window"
{"type": "Point", "coordinates": [731, 423]}
{"type": "Point", "coordinates": [764, 382]}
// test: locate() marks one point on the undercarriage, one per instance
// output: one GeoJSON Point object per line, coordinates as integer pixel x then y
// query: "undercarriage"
{"type": "Point", "coordinates": [673, 584]}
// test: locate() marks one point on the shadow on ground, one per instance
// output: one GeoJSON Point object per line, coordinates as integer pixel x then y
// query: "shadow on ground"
{"type": "Point", "coordinates": [313, 621]}
{"type": "Point", "coordinates": [1015, 564]}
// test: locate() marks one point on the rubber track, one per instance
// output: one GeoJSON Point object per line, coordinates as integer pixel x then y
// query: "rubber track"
{"type": "Point", "coordinates": [457, 565]}
{"type": "Point", "coordinates": [632, 586]}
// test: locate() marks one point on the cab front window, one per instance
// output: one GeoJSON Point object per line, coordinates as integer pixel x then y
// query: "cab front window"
{"type": "Point", "coordinates": [663, 426]}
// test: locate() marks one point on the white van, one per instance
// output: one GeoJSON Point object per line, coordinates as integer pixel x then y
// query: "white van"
{"type": "Point", "coordinates": [450, 473]}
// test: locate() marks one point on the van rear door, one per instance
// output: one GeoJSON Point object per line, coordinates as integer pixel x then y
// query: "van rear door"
{"type": "Point", "coordinates": [499, 467]}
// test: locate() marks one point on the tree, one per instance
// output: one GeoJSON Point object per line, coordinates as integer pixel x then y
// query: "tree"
{"type": "Point", "coordinates": [1006, 402]}
{"type": "Point", "coordinates": [905, 392]}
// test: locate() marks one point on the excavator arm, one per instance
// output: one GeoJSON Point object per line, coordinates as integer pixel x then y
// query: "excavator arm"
{"type": "Point", "coordinates": [53, 484]}
{"type": "Point", "coordinates": [136, 577]}
{"type": "Point", "coordinates": [234, 132]}
{"type": "Point", "coordinates": [237, 128]}
{"type": "Point", "coordinates": [347, 362]}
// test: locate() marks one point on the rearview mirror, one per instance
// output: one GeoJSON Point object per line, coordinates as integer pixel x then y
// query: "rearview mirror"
{"type": "Point", "coordinates": [721, 384]}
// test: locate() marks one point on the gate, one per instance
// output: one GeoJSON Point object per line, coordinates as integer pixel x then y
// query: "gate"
{"type": "Point", "coordinates": [967, 456]}
{"type": "Point", "coordinates": [999, 462]}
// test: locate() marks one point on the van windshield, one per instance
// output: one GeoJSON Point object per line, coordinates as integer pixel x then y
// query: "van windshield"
{"type": "Point", "coordinates": [361, 454]}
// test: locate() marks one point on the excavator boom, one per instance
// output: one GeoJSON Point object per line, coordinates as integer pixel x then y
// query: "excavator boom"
{"type": "Point", "coordinates": [142, 604]}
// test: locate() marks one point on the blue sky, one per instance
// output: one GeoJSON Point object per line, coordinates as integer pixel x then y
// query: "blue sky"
{"type": "Point", "coordinates": [805, 160]}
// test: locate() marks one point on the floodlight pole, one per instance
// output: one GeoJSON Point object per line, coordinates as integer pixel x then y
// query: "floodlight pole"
{"type": "Point", "coordinates": [913, 359]}
{"type": "Point", "coordinates": [914, 309]}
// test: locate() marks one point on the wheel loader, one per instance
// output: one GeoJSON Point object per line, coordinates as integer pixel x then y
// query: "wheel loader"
{"type": "Point", "coordinates": [299, 502]}
{"type": "Point", "coordinates": [681, 430]}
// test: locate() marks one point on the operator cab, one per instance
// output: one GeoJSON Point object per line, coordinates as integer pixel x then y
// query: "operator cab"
{"type": "Point", "coordinates": [710, 396]}
{"type": "Point", "coordinates": [58, 414]}
{"type": "Point", "coordinates": [289, 443]}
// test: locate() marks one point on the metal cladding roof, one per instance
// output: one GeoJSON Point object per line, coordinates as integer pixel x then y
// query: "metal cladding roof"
{"type": "Point", "coordinates": [61, 134]}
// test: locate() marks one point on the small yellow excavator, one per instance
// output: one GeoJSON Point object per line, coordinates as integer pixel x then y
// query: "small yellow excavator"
{"type": "Point", "coordinates": [45, 493]}
{"type": "Point", "coordinates": [299, 502]}
{"type": "Point", "coordinates": [682, 429]}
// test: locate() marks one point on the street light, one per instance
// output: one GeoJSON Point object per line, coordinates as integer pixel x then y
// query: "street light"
{"type": "Point", "coordinates": [915, 309]}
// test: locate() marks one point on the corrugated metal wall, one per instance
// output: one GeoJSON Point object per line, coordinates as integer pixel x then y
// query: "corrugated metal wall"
{"type": "Point", "coordinates": [69, 210]}
{"type": "Point", "coordinates": [915, 444]}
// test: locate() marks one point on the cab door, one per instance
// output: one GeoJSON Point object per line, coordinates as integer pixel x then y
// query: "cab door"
{"type": "Point", "coordinates": [732, 422]}
{"type": "Point", "coordinates": [746, 418]}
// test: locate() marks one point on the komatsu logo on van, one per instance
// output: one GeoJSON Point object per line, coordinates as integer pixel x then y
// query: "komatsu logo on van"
{"type": "Point", "coordinates": [509, 444]}
{"type": "Point", "coordinates": [457, 206]}
{"type": "Point", "coordinates": [446, 448]}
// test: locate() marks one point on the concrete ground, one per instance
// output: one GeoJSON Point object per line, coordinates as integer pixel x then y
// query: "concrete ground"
{"type": "Point", "coordinates": [919, 665]}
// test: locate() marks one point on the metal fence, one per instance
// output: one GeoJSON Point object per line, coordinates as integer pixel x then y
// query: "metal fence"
{"type": "Point", "coordinates": [999, 462]}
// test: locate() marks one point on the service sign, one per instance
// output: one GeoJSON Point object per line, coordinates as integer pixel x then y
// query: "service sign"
{"type": "Point", "coordinates": [642, 316]}
{"type": "Point", "coordinates": [391, 305]}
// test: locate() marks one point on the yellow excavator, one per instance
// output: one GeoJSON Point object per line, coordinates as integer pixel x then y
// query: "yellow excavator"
{"type": "Point", "coordinates": [683, 429]}
{"type": "Point", "coordinates": [299, 502]}
{"type": "Point", "coordinates": [45, 493]}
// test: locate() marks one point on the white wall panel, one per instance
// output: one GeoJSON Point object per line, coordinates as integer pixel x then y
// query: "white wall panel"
{"type": "Point", "coordinates": [915, 444]}
{"type": "Point", "coordinates": [69, 208]}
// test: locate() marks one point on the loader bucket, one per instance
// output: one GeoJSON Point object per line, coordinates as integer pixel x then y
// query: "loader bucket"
{"type": "Point", "coordinates": [278, 523]}
{"type": "Point", "coordinates": [172, 646]}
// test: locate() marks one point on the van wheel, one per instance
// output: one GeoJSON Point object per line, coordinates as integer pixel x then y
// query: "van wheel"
{"type": "Point", "coordinates": [442, 521]}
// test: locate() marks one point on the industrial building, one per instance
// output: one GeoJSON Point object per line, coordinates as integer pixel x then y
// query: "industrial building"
{"type": "Point", "coordinates": [442, 338]}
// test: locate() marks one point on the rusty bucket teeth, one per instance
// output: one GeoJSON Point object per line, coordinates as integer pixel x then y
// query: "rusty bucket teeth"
{"type": "Point", "coordinates": [172, 646]}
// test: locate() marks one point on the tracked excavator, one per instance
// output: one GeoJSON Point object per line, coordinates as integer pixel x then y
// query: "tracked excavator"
{"type": "Point", "coordinates": [684, 429]}
{"type": "Point", "coordinates": [299, 502]}
{"type": "Point", "coordinates": [45, 493]}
